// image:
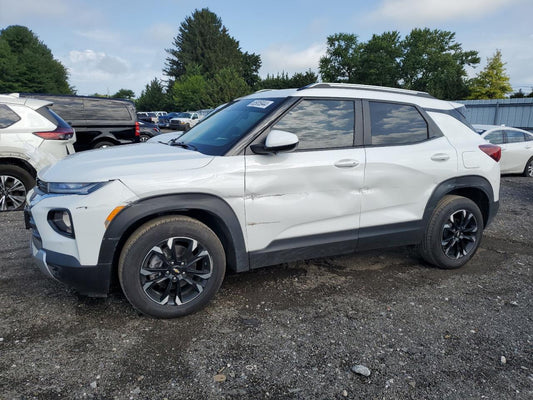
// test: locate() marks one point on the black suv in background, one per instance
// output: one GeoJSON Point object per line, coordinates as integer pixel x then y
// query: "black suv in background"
{"type": "Point", "coordinates": [99, 122]}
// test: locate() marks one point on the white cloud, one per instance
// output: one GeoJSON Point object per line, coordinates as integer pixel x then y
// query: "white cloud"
{"type": "Point", "coordinates": [425, 11]}
{"type": "Point", "coordinates": [100, 35]}
{"type": "Point", "coordinates": [284, 58]}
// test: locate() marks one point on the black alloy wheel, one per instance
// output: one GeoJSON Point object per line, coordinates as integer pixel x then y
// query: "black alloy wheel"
{"type": "Point", "coordinates": [175, 271]}
{"type": "Point", "coordinates": [453, 232]}
{"type": "Point", "coordinates": [459, 234]}
{"type": "Point", "coordinates": [171, 266]}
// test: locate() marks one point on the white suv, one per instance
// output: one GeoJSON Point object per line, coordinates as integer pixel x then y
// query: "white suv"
{"type": "Point", "coordinates": [31, 137]}
{"type": "Point", "coordinates": [276, 176]}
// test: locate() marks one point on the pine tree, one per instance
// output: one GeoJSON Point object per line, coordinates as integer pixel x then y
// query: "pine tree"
{"type": "Point", "coordinates": [493, 81]}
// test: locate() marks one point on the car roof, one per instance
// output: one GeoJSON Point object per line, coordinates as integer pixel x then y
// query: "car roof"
{"type": "Point", "coordinates": [369, 92]}
{"type": "Point", "coordinates": [14, 98]}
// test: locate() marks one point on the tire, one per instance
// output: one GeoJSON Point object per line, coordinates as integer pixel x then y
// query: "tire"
{"type": "Point", "coordinates": [171, 266]}
{"type": "Point", "coordinates": [103, 144]}
{"type": "Point", "coordinates": [453, 233]}
{"type": "Point", "coordinates": [528, 170]}
{"type": "Point", "coordinates": [15, 182]}
{"type": "Point", "coordinates": [187, 127]}
{"type": "Point", "coordinates": [144, 137]}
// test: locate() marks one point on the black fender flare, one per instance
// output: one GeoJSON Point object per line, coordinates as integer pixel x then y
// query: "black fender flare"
{"type": "Point", "coordinates": [463, 185]}
{"type": "Point", "coordinates": [139, 212]}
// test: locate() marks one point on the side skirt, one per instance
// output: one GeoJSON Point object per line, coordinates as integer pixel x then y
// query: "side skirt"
{"type": "Point", "coordinates": [337, 243]}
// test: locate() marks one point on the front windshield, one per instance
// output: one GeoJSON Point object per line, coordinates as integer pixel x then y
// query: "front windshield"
{"type": "Point", "coordinates": [218, 132]}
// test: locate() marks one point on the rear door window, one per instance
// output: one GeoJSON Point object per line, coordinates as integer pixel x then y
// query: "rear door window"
{"type": "Point", "coordinates": [396, 124]}
{"type": "Point", "coordinates": [105, 110]}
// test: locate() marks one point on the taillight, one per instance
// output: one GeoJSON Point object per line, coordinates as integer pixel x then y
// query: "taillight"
{"type": "Point", "coordinates": [137, 129]}
{"type": "Point", "coordinates": [58, 134]}
{"type": "Point", "coordinates": [494, 152]}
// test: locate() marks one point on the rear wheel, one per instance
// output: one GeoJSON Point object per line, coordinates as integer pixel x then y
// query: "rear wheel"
{"type": "Point", "coordinates": [15, 182]}
{"type": "Point", "coordinates": [528, 171]}
{"type": "Point", "coordinates": [453, 233]}
{"type": "Point", "coordinates": [144, 137]}
{"type": "Point", "coordinates": [171, 266]}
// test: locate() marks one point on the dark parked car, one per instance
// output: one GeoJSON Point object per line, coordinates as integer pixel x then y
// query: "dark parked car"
{"type": "Point", "coordinates": [98, 122]}
{"type": "Point", "coordinates": [148, 130]}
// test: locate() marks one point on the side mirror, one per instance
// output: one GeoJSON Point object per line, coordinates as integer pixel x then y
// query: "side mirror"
{"type": "Point", "coordinates": [277, 141]}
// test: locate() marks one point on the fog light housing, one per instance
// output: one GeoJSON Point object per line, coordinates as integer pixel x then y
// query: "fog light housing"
{"type": "Point", "coordinates": [61, 221]}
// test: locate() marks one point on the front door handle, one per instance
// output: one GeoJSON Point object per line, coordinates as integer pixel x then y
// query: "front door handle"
{"type": "Point", "coordinates": [347, 163]}
{"type": "Point", "coordinates": [440, 157]}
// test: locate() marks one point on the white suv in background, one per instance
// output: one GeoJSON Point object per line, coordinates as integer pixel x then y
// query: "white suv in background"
{"type": "Point", "coordinates": [276, 176]}
{"type": "Point", "coordinates": [31, 137]}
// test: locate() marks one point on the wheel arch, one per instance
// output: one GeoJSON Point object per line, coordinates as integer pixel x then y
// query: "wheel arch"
{"type": "Point", "coordinates": [476, 188]}
{"type": "Point", "coordinates": [211, 210]}
{"type": "Point", "coordinates": [19, 162]}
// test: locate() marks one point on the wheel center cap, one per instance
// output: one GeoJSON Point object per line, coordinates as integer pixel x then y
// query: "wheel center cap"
{"type": "Point", "coordinates": [175, 270]}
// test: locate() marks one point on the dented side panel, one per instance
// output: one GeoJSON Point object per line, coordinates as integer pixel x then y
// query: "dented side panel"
{"type": "Point", "coordinates": [303, 193]}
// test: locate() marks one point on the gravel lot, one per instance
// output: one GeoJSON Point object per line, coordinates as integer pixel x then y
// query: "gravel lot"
{"type": "Point", "coordinates": [292, 331]}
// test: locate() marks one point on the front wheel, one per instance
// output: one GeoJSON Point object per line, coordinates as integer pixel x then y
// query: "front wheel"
{"type": "Point", "coordinates": [171, 266]}
{"type": "Point", "coordinates": [453, 233]}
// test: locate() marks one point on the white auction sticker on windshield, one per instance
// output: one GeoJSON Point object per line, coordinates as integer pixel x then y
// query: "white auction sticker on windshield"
{"type": "Point", "coordinates": [260, 103]}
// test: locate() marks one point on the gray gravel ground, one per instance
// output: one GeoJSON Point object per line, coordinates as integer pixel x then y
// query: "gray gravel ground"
{"type": "Point", "coordinates": [292, 331]}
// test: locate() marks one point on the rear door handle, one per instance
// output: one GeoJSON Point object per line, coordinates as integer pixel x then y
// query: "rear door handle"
{"type": "Point", "coordinates": [347, 163]}
{"type": "Point", "coordinates": [440, 157]}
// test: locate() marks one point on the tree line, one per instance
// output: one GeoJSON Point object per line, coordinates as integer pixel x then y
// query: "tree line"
{"type": "Point", "coordinates": [206, 66]}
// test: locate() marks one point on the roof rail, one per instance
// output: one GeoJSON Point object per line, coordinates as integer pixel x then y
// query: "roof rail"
{"type": "Point", "coordinates": [366, 87]}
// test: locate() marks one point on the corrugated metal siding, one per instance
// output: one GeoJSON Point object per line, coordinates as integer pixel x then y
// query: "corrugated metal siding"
{"type": "Point", "coordinates": [509, 112]}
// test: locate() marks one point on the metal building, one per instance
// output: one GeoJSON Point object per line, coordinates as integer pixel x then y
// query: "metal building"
{"type": "Point", "coordinates": [510, 112]}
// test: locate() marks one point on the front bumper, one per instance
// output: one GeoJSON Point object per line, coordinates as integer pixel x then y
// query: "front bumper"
{"type": "Point", "coordinates": [94, 281]}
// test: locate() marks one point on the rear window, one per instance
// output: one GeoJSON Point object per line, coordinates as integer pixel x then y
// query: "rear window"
{"type": "Point", "coordinates": [53, 117]}
{"type": "Point", "coordinates": [7, 116]}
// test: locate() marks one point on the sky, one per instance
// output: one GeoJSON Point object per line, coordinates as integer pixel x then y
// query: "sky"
{"type": "Point", "coordinates": [114, 44]}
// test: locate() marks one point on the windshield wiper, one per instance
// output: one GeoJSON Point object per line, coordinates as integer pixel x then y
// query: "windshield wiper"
{"type": "Point", "coordinates": [187, 146]}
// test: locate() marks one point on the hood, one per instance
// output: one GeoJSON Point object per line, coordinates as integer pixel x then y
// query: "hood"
{"type": "Point", "coordinates": [123, 161]}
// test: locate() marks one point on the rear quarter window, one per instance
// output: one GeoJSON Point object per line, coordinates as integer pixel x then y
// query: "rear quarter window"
{"type": "Point", "coordinates": [7, 116]}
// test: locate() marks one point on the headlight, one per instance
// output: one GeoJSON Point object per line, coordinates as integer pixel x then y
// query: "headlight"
{"type": "Point", "coordinates": [73, 188]}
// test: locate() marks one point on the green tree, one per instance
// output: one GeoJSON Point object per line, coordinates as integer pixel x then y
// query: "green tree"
{"type": "Point", "coordinates": [493, 81]}
{"type": "Point", "coordinates": [27, 65]}
{"type": "Point", "coordinates": [300, 79]}
{"type": "Point", "coordinates": [434, 62]}
{"type": "Point", "coordinates": [190, 91]}
{"type": "Point", "coordinates": [380, 60]}
{"type": "Point", "coordinates": [153, 97]}
{"type": "Point", "coordinates": [518, 95]}
{"type": "Point", "coordinates": [342, 62]}
{"type": "Point", "coordinates": [225, 86]}
{"type": "Point", "coordinates": [124, 94]}
{"type": "Point", "coordinates": [204, 41]}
